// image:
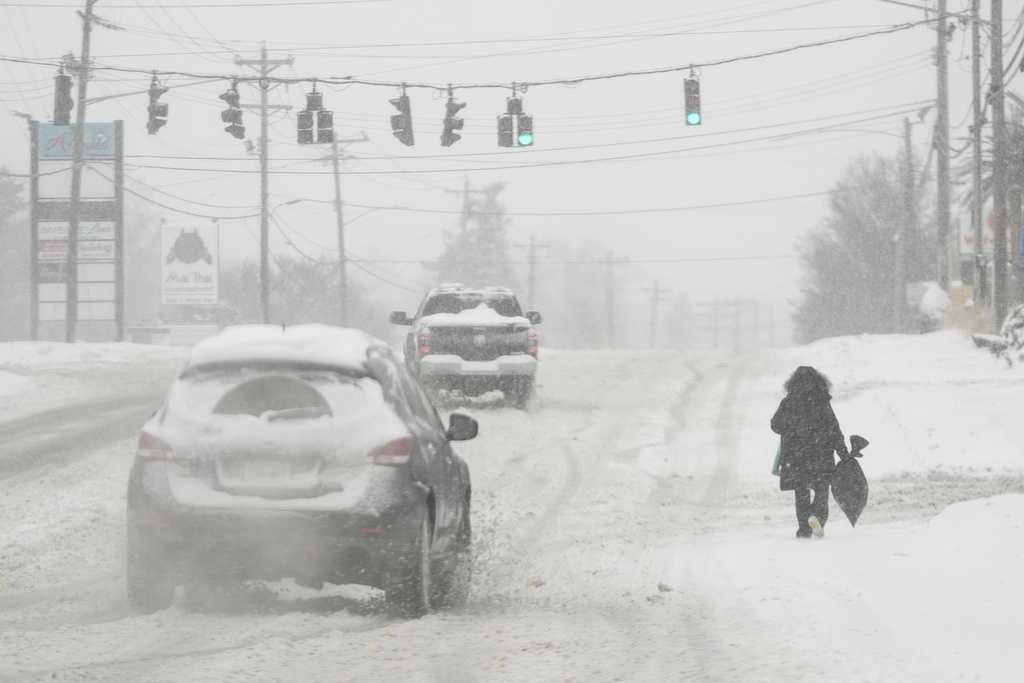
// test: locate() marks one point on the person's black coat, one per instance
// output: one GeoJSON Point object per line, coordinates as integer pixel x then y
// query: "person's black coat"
{"type": "Point", "coordinates": [810, 438]}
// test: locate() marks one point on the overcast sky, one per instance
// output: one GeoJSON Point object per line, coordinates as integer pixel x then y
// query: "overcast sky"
{"type": "Point", "coordinates": [728, 160]}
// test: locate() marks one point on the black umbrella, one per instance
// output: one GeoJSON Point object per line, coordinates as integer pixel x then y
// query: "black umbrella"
{"type": "Point", "coordinates": [849, 485]}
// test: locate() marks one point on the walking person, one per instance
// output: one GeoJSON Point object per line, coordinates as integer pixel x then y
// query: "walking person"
{"type": "Point", "coordinates": [810, 438]}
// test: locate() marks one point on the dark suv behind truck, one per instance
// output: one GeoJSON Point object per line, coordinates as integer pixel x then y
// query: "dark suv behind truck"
{"type": "Point", "coordinates": [474, 341]}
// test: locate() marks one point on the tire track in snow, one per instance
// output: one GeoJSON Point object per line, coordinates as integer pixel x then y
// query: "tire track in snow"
{"type": "Point", "coordinates": [65, 434]}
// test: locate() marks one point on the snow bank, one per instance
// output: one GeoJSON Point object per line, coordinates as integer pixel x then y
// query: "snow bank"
{"type": "Point", "coordinates": [926, 402]}
{"type": "Point", "coordinates": [12, 384]}
{"type": "Point", "coordinates": [37, 376]}
{"type": "Point", "coordinates": [35, 356]}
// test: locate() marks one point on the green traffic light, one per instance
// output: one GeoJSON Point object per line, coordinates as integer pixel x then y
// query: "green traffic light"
{"type": "Point", "coordinates": [525, 139]}
{"type": "Point", "coordinates": [693, 118]}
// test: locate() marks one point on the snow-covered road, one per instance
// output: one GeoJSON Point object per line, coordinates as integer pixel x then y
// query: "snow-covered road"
{"type": "Point", "coordinates": [626, 529]}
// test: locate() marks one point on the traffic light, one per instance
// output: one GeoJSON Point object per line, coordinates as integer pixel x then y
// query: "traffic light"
{"type": "Point", "coordinates": [62, 102]}
{"type": "Point", "coordinates": [401, 123]}
{"type": "Point", "coordinates": [315, 116]}
{"type": "Point", "coordinates": [451, 124]}
{"type": "Point", "coordinates": [157, 110]}
{"type": "Point", "coordinates": [233, 114]}
{"type": "Point", "coordinates": [515, 129]}
{"type": "Point", "coordinates": [324, 126]}
{"type": "Point", "coordinates": [305, 125]}
{"type": "Point", "coordinates": [525, 136]}
{"type": "Point", "coordinates": [691, 90]}
{"type": "Point", "coordinates": [506, 130]}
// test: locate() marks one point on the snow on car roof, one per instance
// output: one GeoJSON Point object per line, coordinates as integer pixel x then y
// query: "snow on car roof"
{"type": "Point", "coordinates": [321, 345]}
{"type": "Point", "coordinates": [472, 317]}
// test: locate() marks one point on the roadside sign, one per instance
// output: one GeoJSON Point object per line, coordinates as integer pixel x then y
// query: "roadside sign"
{"type": "Point", "coordinates": [57, 142]}
{"type": "Point", "coordinates": [191, 265]}
{"type": "Point", "coordinates": [99, 304]}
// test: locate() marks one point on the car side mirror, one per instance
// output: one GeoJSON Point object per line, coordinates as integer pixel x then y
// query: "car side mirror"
{"type": "Point", "coordinates": [534, 317]}
{"type": "Point", "coordinates": [462, 427]}
{"type": "Point", "coordinates": [400, 318]}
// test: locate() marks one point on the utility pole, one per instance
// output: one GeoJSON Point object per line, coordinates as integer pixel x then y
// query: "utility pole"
{"type": "Point", "coordinates": [342, 254]}
{"type": "Point", "coordinates": [737, 328]}
{"type": "Point", "coordinates": [467, 204]}
{"type": "Point", "coordinates": [942, 145]}
{"type": "Point", "coordinates": [266, 67]}
{"type": "Point", "coordinates": [999, 164]}
{"type": "Point", "coordinates": [657, 296]}
{"type": "Point", "coordinates": [78, 160]}
{"type": "Point", "coordinates": [531, 278]}
{"type": "Point", "coordinates": [978, 107]}
{"type": "Point", "coordinates": [610, 263]}
{"type": "Point", "coordinates": [336, 153]}
{"type": "Point", "coordinates": [716, 315]}
{"type": "Point", "coordinates": [905, 227]}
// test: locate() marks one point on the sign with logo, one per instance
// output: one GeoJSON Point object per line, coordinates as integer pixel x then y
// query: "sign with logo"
{"type": "Point", "coordinates": [191, 265]}
{"type": "Point", "coordinates": [96, 312]}
{"type": "Point", "coordinates": [95, 241]}
{"type": "Point", "coordinates": [57, 142]}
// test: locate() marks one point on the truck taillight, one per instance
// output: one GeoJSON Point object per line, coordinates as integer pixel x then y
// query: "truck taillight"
{"type": "Point", "coordinates": [423, 337]}
{"type": "Point", "coordinates": [532, 341]}
{"type": "Point", "coordinates": [152, 448]}
{"type": "Point", "coordinates": [395, 452]}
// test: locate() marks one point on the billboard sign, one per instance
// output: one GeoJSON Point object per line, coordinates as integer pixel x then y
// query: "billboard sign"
{"type": "Point", "coordinates": [191, 265]}
{"type": "Point", "coordinates": [57, 142]}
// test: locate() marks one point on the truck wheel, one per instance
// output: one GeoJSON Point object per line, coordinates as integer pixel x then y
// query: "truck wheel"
{"type": "Point", "coordinates": [410, 593]}
{"type": "Point", "coordinates": [522, 393]}
{"type": "Point", "coordinates": [148, 579]}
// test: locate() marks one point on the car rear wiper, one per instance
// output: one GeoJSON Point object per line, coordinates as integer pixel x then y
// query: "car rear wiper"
{"type": "Point", "coordinates": [306, 412]}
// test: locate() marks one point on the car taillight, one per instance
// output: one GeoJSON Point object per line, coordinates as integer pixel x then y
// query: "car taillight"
{"type": "Point", "coordinates": [394, 452]}
{"type": "Point", "coordinates": [424, 341]}
{"type": "Point", "coordinates": [532, 341]}
{"type": "Point", "coordinates": [152, 448]}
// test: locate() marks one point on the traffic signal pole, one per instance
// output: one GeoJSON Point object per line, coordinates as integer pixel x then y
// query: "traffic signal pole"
{"type": "Point", "coordinates": [78, 159]}
{"type": "Point", "coordinates": [266, 67]}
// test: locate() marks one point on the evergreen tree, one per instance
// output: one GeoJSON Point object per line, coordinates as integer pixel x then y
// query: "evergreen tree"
{"type": "Point", "coordinates": [14, 260]}
{"type": "Point", "coordinates": [850, 260]}
{"type": "Point", "coordinates": [478, 254]}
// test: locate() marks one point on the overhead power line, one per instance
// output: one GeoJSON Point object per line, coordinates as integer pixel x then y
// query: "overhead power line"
{"type": "Point", "coordinates": [200, 5]}
{"type": "Point", "coordinates": [574, 80]}
{"type": "Point", "coordinates": [610, 212]}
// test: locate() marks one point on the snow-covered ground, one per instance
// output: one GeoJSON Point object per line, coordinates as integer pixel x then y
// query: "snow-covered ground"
{"type": "Point", "coordinates": [626, 529]}
{"type": "Point", "coordinates": [36, 376]}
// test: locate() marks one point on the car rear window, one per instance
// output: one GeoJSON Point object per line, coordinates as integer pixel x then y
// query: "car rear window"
{"type": "Point", "coordinates": [456, 302]}
{"type": "Point", "coordinates": [272, 394]}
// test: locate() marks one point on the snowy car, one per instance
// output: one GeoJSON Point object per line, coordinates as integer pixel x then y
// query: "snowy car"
{"type": "Point", "coordinates": [306, 452]}
{"type": "Point", "coordinates": [473, 341]}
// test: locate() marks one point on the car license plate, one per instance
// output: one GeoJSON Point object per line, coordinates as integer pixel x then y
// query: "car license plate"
{"type": "Point", "coordinates": [266, 470]}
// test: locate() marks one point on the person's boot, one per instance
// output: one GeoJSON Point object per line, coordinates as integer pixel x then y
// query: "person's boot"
{"type": "Point", "coordinates": [816, 527]}
{"type": "Point", "coordinates": [803, 532]}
